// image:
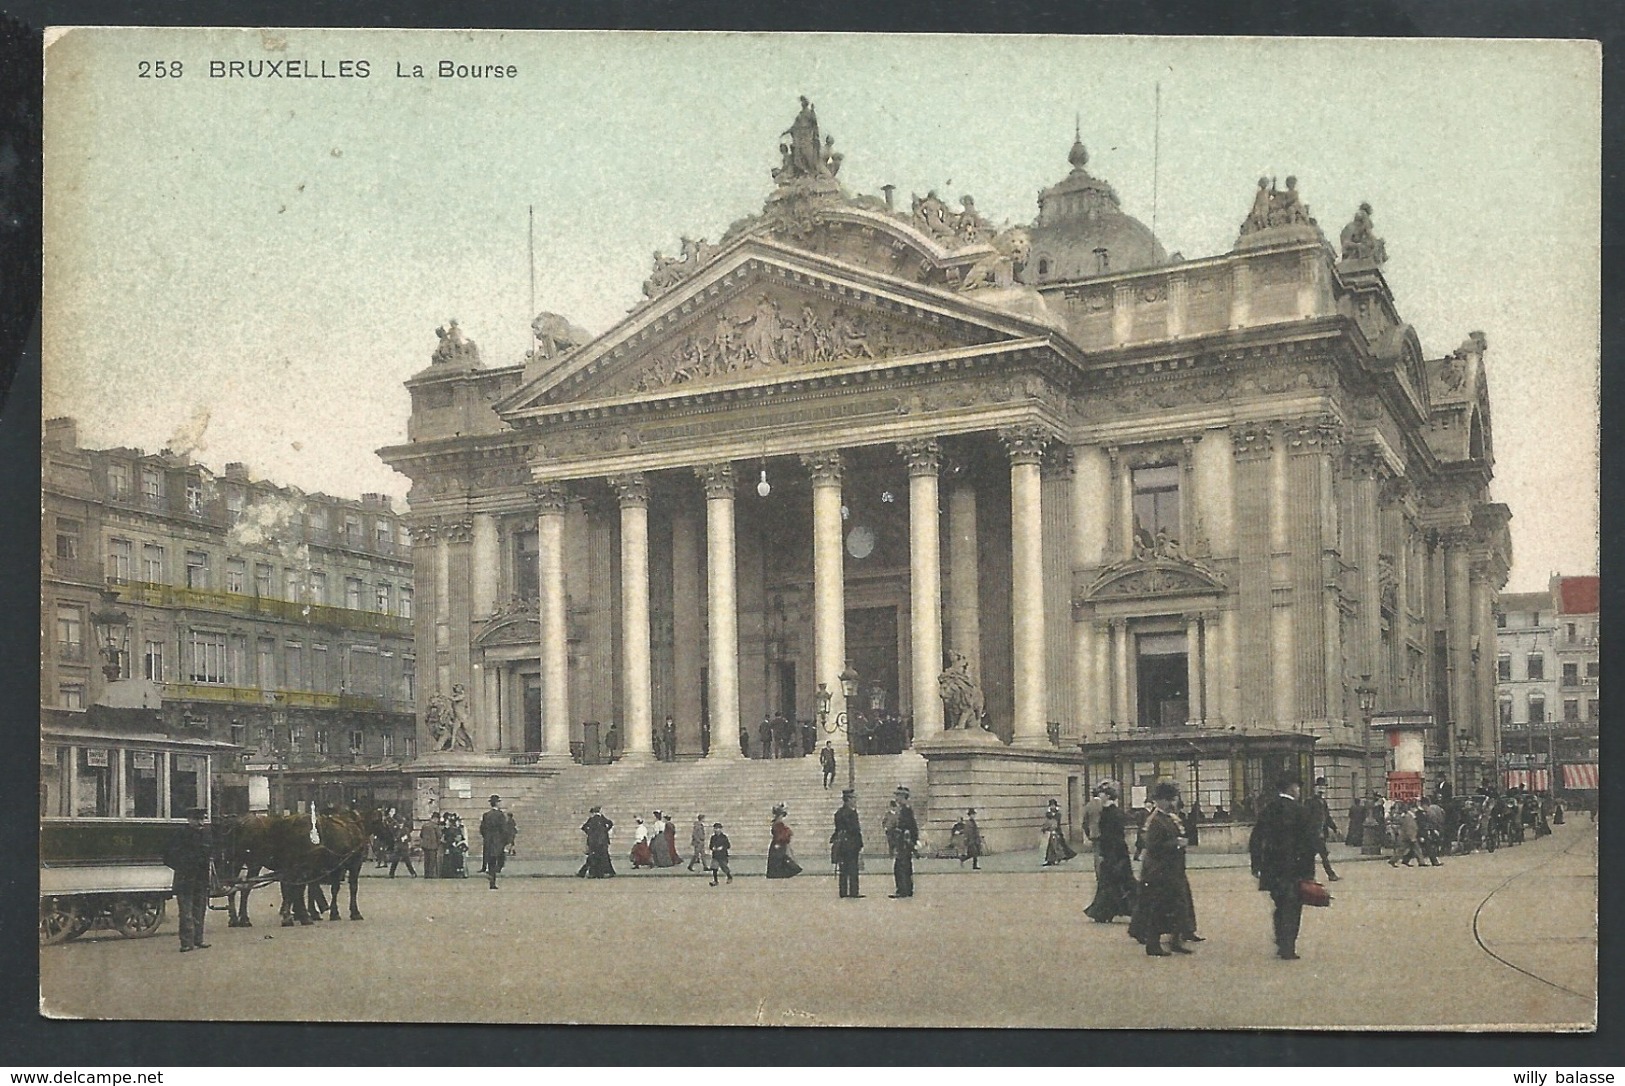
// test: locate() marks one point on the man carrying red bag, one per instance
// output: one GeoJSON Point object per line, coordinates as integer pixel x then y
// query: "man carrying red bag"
{"type": "Point", "coordinates": [1284, 846]}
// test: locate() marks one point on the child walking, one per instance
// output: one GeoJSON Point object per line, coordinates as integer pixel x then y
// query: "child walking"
{"type": "Point", "coordinates": [719, 853]}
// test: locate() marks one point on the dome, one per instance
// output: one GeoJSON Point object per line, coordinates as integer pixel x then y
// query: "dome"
{"type": "Point", "coordinates": [1081, 230]}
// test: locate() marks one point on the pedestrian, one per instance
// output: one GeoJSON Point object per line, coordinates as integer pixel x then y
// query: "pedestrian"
{"type": "Point", "coordinates": [1320, 816]}
{"type": "Point", "coordinates": [1356, 823]}
{"type": "Point", "coordinates": [908, 832]}
{"type": "Point", "coordinates": [781, 862]}
{"type": "Point", "coordinates": [719, 853]}
{"type": "Point", "coordinates": [1163, 905]}
{"type": "Point", "coordinates": [189, 853]}
{"type": "Point", "coordinates": [597, 864]}
{"type": "Point", "coordinates": [744, 739]}
{"type": "Point", "coordinates": [888, 826]}
{"type": "Point", "coordinates": [456, 850]}
{"type": "Point", "coordinates": [1091, 813]}
{"type": "Point", "coordinates": [1053, 844]}
{"type": "Point", "coordinates": [494, 839]}
{"type": "Point", "coordinates": [1193, 824]}
{"type": "Point", "coordinates": [973, 842]}
{"type": "Point", "coordinates": [846, 844]}
{"type": "Point", "coordinates": [764, 732]}
{"type": "Point", "coordinates": [826, 761]}
{"type": "Point", "coordinates": [430, 841]}
{"type": "Point", "coordinates": [1282, 849]}
{"type": "Point", "coordinates": [1430, 830]}
{"type": "Point", "coordinates": [669, 730]}
{"type": "Point", "coordinates": [661, 844]}
{"type": "Point", "coordinates": [1407, 842]}
{"type": "Point", "coordinates": [697, 839]}
{"type": "Point", "coordinates": [641, 855]}
{"type": "Point", "coordinates": [1114, 874]}
{"type": "Point", "coordinates": [383, 841]}
{"type": "Point", "coordinates": [401, 848]}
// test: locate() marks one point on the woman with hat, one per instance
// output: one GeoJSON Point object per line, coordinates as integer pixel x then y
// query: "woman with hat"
{"type": "Point", "coordinates": [641, 855]}
{"type": "Point", "coordinates": [1053, 840]}
{"type": "Point", "coordinates": [1164, 906]}
{"type": "Point", "coordinates": [1114, 880]}
{"type": "Point", "coordinates": [780, 863]}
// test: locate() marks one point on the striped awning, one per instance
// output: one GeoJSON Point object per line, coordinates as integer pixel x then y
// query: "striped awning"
{"type": "Point", "coordinates": [1535, 780]}
{"type": "Point", "coordinates": [1580, 776]}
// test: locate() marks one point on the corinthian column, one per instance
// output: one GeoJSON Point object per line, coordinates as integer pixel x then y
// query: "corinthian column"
{"type": "Point", "coordinates": [829, 591]}
{"type": "Point", "coordinates": [1025, 445]}
{"type": "Point", "coordinates": [722, 608]}
{"type": "Point", "coordinates": [925, 584]}
{"type": "Point", "coordinates": [633, 491]}
{"type": "Point", "coordinates": [552, 500]}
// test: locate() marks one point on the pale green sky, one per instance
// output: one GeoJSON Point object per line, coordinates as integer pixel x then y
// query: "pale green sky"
{"type": "Point", "coordinates": [277, 253]}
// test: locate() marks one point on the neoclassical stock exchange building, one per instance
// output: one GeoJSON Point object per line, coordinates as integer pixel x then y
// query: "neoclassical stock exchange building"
{"type": "Point", "coordinates": [1138, 516]}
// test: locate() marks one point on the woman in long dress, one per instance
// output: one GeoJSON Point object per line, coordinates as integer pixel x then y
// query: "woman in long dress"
{"type": "Point", "coordinates": [671, 842]}
{"type": "Point", "coordinates": [780, 863]}
{"type": "Point", "coordinates": [1114, 886]}
{"type": "Point", "coordinates": [1056, 849]}
{"type": "Point", "coordinates": [1356, 830]}
{"type": "Point", "coordinates": [641, 856]}
{"type": "Point", "coordinates": [660, 844]}
{"type": "Point", "coordinates": [1164, 906]}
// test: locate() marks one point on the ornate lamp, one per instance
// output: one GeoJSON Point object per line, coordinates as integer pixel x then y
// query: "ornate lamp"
{"type": "Point", "coordinates": [105, 620]}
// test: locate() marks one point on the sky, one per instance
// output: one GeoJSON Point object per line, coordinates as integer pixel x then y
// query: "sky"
{"type": "Point", "coordinates": [250, 268]}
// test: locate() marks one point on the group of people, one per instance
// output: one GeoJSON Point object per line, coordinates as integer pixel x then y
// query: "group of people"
{"type": "Point", "coordinates": [902, 838]}
{"type": "Point", "coordinates": [778, 736]}
{"type": "Point", "coordinates": [1286, 841]}
{"type": "Point", "coordinates": [444, 842]}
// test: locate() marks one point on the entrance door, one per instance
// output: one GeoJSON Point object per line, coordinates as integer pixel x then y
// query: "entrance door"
{"type": "Point", "coordinates": [1164, 699]}
{"type": "Point", "coordinates": [871, 649]}
{"type": "Point", "coordinates": [533, 712]}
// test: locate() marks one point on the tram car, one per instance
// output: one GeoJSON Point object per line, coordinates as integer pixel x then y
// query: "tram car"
{"type": "Point", "coordinates": [109, 803]}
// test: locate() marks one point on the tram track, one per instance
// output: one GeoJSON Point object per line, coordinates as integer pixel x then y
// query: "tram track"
{"type": "Point", "coordinates": [1478, 913]}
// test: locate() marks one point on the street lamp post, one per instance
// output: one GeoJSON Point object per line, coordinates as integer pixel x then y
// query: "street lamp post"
{"type": "Point", "coordinates": [1461, 747]}
{"type": "Point", "coordinates": [105, 621]}
{"type": "Point", "coordinates": [842, 722]}
{"type": "Point", "coordinates": [1371, 842]}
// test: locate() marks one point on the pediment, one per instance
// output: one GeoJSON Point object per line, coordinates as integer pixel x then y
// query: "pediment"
{"type": "Point", "coordinates": [1158, 577]}
{"type": "Point", "coordinates": [770, 311]}
{"type": "Point", "coordinates": [514, 623]}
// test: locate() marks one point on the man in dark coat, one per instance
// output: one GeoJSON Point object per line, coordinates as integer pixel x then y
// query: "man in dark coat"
{"type": "Point", "coordinates": [1283, 847]}
{"type": "Point", "coordinates": [188, 854]}
{"type": "Point", "coordinates": [846, 843]}
{"type": "Point", "coordinates": [826, 762]}
{"type": "Point", "coordinates": [908, 832]}
{"type": "Point", "coordinates": [1320, 817]}
{"type": "Point", "coordinates": [494, 838]}
{"type": "Point", "coordinates": [597, 864]}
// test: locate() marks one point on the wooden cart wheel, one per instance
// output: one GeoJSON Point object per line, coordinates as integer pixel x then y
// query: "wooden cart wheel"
{"type": "Point", "coordinates": [58, 920]}
{"type": "Point", "coordinates": [138, 917]}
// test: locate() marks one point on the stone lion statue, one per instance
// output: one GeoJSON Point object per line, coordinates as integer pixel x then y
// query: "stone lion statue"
{"type": "Point", "coordinates": [555, 335]}
{"type": "Point", "coordinates": [962, 701]}
{"type": "Point", "coordinates": [1001, 267]}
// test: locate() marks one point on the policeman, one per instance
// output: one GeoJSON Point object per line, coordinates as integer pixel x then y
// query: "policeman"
{"type": "Point", "coordinates": [846, 843]}
{"type": "Point", "coordinates": [188, 854]}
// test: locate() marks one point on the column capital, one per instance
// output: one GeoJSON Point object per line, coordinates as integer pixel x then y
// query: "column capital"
{"type": "Point", "coordinates": [550, 497]}
{"type": "Point", "coordinates": [1025, 443]}
{"type": "Point", "coordinates": [424, 530]}
{"type": "Point", "coordinates": [1397, 489]}
{"type": "Point", "coordinates": [632, 488]}
{"type": "Point", "coordinates": [1058, 461]}
{"type": "Point", "coordinates": [1322, 433]}
{"type": "Point", "coordinates": [717, 478]}
{"type": "Point", "coordinates": [1367, 462]}
{"type": "Point", "coordinates": [458, 529]}
{"type": "Point", "coordinates": [1457, 538]}
{"type": "Point", "coordinates": [924, 457]}
{"type": "Point", "coordinates": [825, 466]}
{"type": "Point", "coordinates": [1252, 440]}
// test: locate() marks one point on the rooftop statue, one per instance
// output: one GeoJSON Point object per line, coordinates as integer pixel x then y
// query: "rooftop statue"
{"type": "Point", "coordinates": [1359, 243]}
{"type": "Point", "coordinates": [802, 155]}
{"type": "Point", "coordinates": [668, 271]}
{"type": "Point", "coordinates": [1003, 267]}
{"type": "Point", "coordinates": [1274, 207]}
{"type": "Point", "coordinates": [454, 348]}
{"type": "Point", "coordinates": [555, 336]}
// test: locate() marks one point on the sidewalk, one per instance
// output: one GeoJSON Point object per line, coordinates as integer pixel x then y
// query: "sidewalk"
{"type": "Point", "coordinates": [755, 864]}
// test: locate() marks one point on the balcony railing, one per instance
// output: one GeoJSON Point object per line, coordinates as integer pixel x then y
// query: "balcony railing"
{"type": "Point", "coordinates": [71, 651]}
{"type": "Point", "coordinates": [288, 699]}
{"type": "Point", "coordinates": [313, 614]}
{"type": "Point", "coordinates": [75, 569]}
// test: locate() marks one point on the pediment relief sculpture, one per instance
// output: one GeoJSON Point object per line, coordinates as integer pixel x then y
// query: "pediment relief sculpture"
{"type": "Point", "coordinates": [1158, 571]}
{"type": "Point", "coordinates": [768, 330]}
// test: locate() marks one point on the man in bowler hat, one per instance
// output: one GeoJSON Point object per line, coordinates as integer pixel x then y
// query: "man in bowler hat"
{"type": "Point", "coordinates": [908, 832]}
{"type": "Point", "coordinates": [1283, 847]}
{"type": "Point", "coordinates": [495, 839]}
{"type": "Point", "coordinates": [846, 843]}
{"type": "Point", "coordinates": [188, 854]}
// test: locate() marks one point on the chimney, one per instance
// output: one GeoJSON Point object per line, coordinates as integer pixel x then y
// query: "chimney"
{"type": "Point", "coordinates": [62, 433]}
{"type": "Point", "coordinates": [888, 190]}
{"type": "Point", "coordinates": [237, 471]}
{"type": "Point", "coordinates": [375, 501]}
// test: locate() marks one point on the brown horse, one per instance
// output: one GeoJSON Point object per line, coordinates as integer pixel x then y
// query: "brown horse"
{"type": "Point", "coordinates": [282, 845]}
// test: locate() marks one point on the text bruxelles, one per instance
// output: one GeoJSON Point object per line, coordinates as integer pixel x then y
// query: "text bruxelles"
{"type": "Point", "coordinates": [352, 69]}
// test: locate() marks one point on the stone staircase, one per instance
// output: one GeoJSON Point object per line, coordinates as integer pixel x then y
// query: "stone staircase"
{"type": "Point", "coordinates": [550, 804]}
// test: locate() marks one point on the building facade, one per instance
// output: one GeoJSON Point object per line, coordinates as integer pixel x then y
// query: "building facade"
{"type": "Point", "coordinates": [1548, 679]}
{"type": "Point", "coordinates": [1168, 515]}
{"type": "Point", "coordinates": [232, 609]}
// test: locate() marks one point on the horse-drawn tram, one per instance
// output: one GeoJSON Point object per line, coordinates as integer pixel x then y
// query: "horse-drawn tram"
{"type": "Point", "coordinates": [108, 805]}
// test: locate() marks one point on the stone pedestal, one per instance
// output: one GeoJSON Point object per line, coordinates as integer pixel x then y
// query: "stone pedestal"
{"type": "Point", "coordinates": [1008, 786]}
